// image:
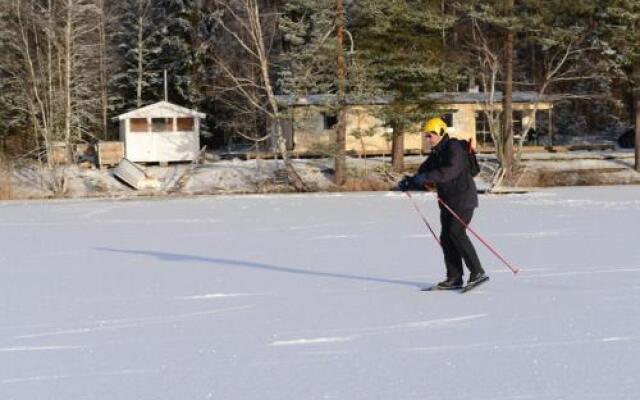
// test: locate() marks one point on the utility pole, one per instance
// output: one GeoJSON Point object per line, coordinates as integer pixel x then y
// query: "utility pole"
{"type": "Point", "coordinates": [166, 87]}
{"type": "Point", "coordinates": [341, 128]}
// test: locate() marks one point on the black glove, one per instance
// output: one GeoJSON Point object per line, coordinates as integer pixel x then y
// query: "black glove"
{"type": "Point", "coordinates": [405, 184]}
{"type": "Point", "coordinates": [419, 181]}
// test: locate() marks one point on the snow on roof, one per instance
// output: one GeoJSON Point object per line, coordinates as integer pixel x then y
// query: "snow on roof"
{"type": "Point", "coordinates": [161, 109]}
{"type": "Point", "coordinates": [438, 97]}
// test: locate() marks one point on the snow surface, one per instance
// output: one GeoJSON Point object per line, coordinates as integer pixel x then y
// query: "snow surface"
{"type": "Point", "coordinates": [317, 297]}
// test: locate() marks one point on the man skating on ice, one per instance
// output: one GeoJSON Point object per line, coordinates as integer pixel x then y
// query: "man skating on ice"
{"type": "Point", "coordinates": [448, 168]}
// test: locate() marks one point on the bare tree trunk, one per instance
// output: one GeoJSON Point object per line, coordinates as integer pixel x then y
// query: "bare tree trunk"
{"type": "Point", "coordinates": [263, 58]}
{"type": "Point", "coordinates": [104, 87]}
{"type": "Point", "coordinates": [489, 68]}
{"type": "Point", "coordinates": [341, 129]}
{"type": "Point", "coordinates": [281, 143]}
{"type": "Point", "coordinates": [507, 99]}
{"type": "Point", "coordinates": [248, 33]}
{"type": "Point", "coordinates": [68, 67]}
{"type": "Point", "coordinates": [637, 109]}
{"type": "Point", "coordinates": [397, 149]}
{"type": "Point", "coordinates": [32, 89]}
{"type": "Point", "coordinates": [51, 92]}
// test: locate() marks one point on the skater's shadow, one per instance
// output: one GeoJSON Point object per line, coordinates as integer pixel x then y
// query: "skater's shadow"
{"type": "Point", "coordinates": [223, 262]}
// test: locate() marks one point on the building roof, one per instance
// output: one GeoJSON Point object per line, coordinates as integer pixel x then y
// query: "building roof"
{"type": "Point", "coordinates": [439, 98]}
{"type": "Point", "coordinates": [161, 109]}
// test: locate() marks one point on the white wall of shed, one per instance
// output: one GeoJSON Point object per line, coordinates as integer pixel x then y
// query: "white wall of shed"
{"type": "Point", "coordinates": [162, 146]}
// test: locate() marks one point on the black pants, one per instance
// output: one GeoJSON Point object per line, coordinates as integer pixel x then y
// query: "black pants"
{"type": "Point", "coordinates": [456, 245]}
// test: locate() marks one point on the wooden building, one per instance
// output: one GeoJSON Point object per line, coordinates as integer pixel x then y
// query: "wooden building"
{"type": "Point", "coordinates": [161, 132]}
{"type": "Point", "coordinates": [311, 123]}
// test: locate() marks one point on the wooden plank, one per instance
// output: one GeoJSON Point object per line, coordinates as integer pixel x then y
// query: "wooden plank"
{"type": "Point", "coordinates": [110, 153]}
{"type": "Point", "coordinates": [58, 153]}
{"type": "Point", "coordinates": [134, 176]}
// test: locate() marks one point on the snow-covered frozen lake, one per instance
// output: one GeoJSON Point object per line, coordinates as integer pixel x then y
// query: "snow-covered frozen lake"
{"type": "Point", "coordinates": [317, 297]}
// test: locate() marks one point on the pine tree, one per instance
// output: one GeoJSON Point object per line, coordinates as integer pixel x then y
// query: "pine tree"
{"type": "Point", "coordinates": [176, 55]}
{"type": "Point", "coordinates": [136, 42]}
{"type": "Point", "coordinates": [620, 40]}
{"type": "Point", "coordinates": [307, 63]}
{"type": "Point", "coordinates": [400, 53]}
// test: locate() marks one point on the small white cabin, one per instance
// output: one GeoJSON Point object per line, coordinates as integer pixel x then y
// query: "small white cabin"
{"type": "Point", "coordinates": [161, 132]}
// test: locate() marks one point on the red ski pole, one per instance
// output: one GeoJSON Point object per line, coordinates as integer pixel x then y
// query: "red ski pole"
{"type": "Point", "coordinates": [512, 268]}
{"type": "Point", "coordinates": [423, 217]}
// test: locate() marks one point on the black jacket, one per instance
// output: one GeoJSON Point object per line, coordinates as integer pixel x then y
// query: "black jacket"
{"type": "Point", "coordinates": [448, 168]}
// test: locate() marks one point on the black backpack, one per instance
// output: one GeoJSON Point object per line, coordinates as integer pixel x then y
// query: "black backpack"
{"type": "Point", "coordinates": [474, 165]}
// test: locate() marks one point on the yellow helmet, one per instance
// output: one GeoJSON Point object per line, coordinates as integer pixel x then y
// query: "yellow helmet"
{"type": "Point", "coordinates": [435, 125]}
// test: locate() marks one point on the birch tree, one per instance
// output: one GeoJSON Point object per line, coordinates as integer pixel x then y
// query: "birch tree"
{"type": "Point", "coordinates": [562, 51]}
{"type": "Point", "coordinates": [489, 40]}
{"type": "Point", "coordinates": [488, 67]}
{"type": "Point", "coordinates": [38, 103]}
{"type": "Point", "coordinates": [80, 42]}
{"type": "Point", "coordinates": [103, 15]}
{"type": "Point", "coordinates": [252, 33]}
{"type": "Point", "coordinates": [49, 61]}
{"type": "Point", "coordinates": [11, 87]}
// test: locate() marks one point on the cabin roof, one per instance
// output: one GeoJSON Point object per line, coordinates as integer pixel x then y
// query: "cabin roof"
{"type": "Point", "coordinates": [438, 98]}
{"type": "Point", "coordinates": [161, 109]}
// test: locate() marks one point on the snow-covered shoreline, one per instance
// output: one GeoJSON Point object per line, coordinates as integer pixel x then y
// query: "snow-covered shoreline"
{"type": "Point", "coordinates": [258, 176]}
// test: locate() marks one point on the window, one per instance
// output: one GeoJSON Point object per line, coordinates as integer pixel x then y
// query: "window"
{"type": "Point", "coordinates": [517, 122]}
{"type": "Point", "coordinates": [138, 125]}
{"type": "Point", "coordinates": [448, 119]}
{"type": "Point", "coordinates": [483, 133]}
{"type": "Point", "coordinates": [330, 120]}
{"type": "Point", "coordinates": [185, 124]}
{"type": "Point", "coordinates": [162, 124]}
